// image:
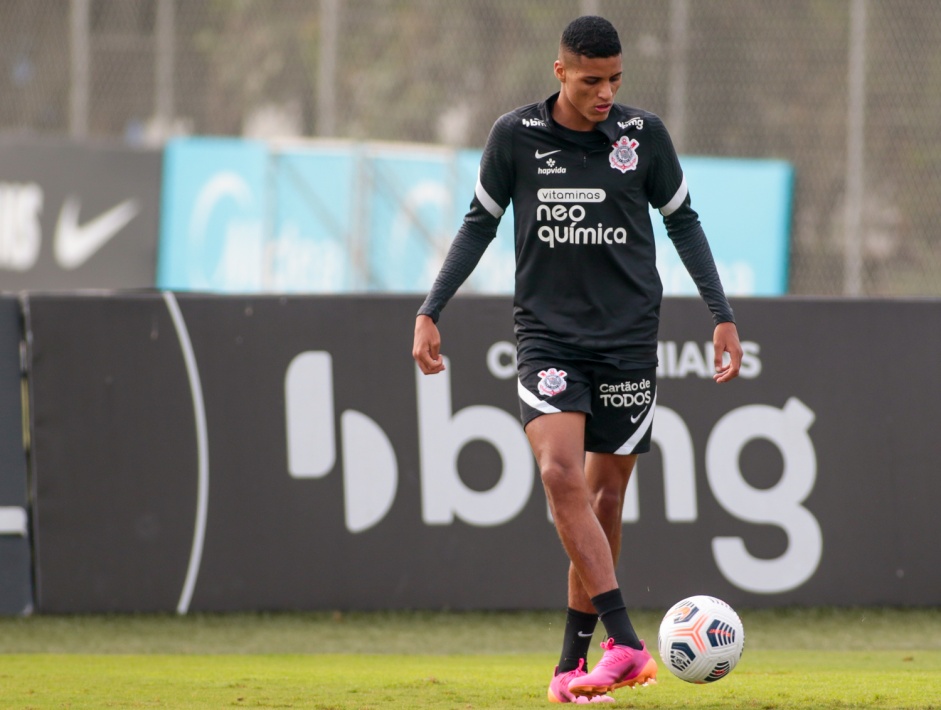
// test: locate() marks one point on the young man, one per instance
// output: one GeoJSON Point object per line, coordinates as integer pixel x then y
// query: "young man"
{"type": "Point", "coordinates": [581, 171]}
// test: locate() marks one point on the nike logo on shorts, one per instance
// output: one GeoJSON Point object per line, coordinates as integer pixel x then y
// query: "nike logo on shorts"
{"type": "Point", "coordinates": [635, 419]}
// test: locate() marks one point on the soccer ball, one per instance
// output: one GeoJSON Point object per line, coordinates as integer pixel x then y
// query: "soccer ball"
{"type": "Point", "coordinates": [701, 639]}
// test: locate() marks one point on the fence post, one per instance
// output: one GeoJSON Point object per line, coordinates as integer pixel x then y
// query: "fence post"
{"type": "Point", "coordinates": [855, 136]}
{"type": "Point", "coordinates": [679, 41]}
{"type": "Point", "coordinates": [327, 68]}
{"type": "Point", "coordinates": [80, 67]}
{"type": "Point", "coordinates": [165, 52]}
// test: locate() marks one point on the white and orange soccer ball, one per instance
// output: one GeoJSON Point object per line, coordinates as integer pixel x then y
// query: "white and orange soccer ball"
{"type": "Point", "coordinates": [701, 639]}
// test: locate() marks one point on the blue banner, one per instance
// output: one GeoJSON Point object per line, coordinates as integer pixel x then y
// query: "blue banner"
{"type": "Point", "coordinates": [314, 218]}
{"type": "Point", "coordinates": [412, 216]}
{"type": "Point", "coordinates": [243, 216]}
{"type": "Point", "coordinates": [213, 211]}
{"type": "Point", "coordinates": [745, 209]}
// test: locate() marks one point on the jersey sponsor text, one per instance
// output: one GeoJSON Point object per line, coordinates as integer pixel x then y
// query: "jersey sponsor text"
{"type": "Point", "coordinates": [626, 394]}
{"type": "Point", "coordinates": [574, 233]}
{"type": "Point", "coordinates": [554, 194]}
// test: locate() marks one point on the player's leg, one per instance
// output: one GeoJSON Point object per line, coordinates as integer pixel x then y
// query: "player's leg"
{"type": "Point", "coordinates": [618, 430]}
{"type": "Point", "coordinates": [622, 406]}
{"type": "Point", "coordinates": [554, 403]}
{"type": "Point", "coordinates": [607, 476]}
{"type": "Point", "coordinates": [557, 441]}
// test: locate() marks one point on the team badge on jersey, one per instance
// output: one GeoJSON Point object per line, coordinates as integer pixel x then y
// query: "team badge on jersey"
{"type": "Point", "coordinates": [551, 381]}
{"type": "Point", "coordinates": [624, 156]}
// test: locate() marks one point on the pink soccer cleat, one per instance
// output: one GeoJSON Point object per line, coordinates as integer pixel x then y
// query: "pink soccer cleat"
{"type": "Point", "coordinates": [619, 666]}
{"type": "Point", "coordinates": [558, 688]}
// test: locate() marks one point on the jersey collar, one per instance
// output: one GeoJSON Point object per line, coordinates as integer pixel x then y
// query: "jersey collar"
{"type": "Point", "coordinates": [608, 126]}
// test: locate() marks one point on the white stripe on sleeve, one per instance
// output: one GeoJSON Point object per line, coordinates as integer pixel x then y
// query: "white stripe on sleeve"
{"type": "Point", "coordinates": [674, 204]}
{"type": "Point", "coordinates": [486, 200]}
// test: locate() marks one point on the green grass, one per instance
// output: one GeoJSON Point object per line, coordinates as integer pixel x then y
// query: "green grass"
{"type": "Point", "coordinates": [795, 658]}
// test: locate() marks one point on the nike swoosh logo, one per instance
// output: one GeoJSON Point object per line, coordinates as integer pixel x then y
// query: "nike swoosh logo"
{"type": "Point", "coordinates": [584, 635]}
{"type": "Point", "coordinates": [634, 419]}
{"type": "Point", "coordinates": [76, 243]}
{"type": "Point", "coordinates": [540, 156]}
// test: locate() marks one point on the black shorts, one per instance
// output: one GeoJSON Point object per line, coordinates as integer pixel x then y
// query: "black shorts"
{"type": "Point", "coordinates": [619, 403]}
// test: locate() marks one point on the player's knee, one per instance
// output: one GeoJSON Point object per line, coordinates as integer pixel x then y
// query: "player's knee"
{"type": "Point", "coordinates": [561, 479]}
{"type": "Point", "coordinates": [607, 502]}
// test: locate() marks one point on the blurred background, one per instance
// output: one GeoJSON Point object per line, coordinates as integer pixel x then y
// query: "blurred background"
{"type": "Point", "coordinates": [846, 91]}
{"type": "Point", "coordinates": [259, 149]}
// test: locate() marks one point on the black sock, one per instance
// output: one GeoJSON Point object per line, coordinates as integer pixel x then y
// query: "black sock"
{"type": "Point", "coordinates": [613, 615]}
{"type": "Point", "coordinates": [579, 627]}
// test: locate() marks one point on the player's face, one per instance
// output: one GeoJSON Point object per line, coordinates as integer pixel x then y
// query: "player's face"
{"type": "Point", "coordinates": [588, 89]}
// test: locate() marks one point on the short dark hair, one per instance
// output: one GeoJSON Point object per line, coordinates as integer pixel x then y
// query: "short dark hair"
{"type": "Point", "coordinates": [591, 36]}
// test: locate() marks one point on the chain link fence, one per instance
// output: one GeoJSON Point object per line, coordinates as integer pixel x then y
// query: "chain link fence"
{"type": "Point", "coordinates": [846, 90]}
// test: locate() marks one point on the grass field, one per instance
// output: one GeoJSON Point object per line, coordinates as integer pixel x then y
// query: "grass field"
{"type": "Point", "coordinates": [794, 658]}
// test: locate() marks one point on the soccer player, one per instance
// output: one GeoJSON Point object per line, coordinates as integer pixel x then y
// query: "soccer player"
{"type": "Point", "coordinates": [581, 170]}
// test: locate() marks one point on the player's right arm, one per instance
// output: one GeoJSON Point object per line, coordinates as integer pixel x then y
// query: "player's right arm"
{"type": "Point", "coordinates": [491, 197]}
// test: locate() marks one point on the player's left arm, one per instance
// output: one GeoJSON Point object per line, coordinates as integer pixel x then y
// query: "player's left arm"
{"type": "Point", "coordinates": [670, 194]}
{"type": "Point", "coordinates": [687, 235]}
{"type": "Point", "coordinates": [725, 340]}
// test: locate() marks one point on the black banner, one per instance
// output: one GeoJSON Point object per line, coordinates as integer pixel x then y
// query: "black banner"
{"type": "Point", "coordinates": [77, 216]}
{"type": "Point", "coordinates": [16, 587]}
{"type": "Point", "coordinates": [226, 453]}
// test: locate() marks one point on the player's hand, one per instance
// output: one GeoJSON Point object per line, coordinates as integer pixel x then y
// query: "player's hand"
{"type": "Point", "coordinates": [725, 340]}
{"type": "Point", "coordinates": [426, 349]}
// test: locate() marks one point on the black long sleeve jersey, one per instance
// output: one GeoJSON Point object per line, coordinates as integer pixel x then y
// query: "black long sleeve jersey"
{"type": "Point", "coordinates": [586, 274]}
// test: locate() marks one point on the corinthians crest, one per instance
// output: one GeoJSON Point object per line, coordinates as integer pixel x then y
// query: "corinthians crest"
{"type": "Point", "coordinates": [551, 381]}
{"type": "Point", "coordinates": [624, 156]}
